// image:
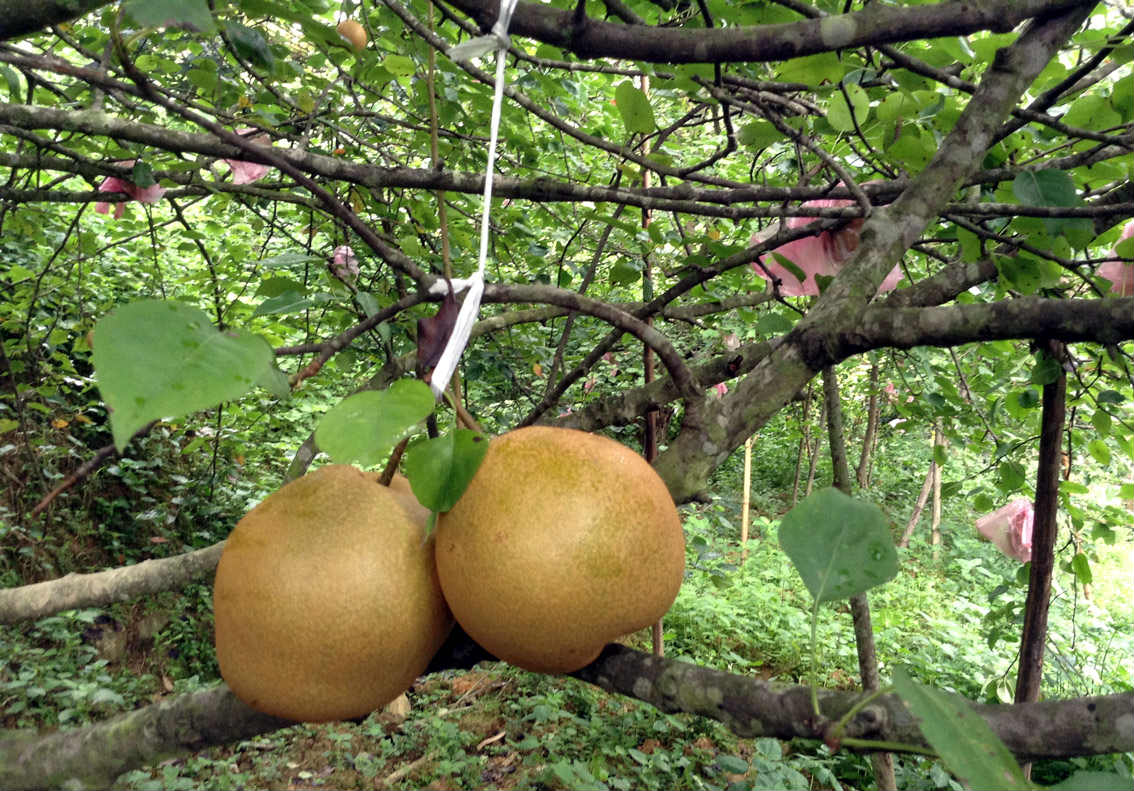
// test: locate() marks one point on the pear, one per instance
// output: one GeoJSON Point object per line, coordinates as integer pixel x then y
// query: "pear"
{"type": "Point", "coordinates": [326, 599]}
{"type": "Point", "coordinates": [563, 542]}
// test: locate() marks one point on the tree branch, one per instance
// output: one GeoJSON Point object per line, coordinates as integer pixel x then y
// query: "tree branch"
{"type": "Point", "coordinates": [96, 755]}
{"type": "Point", "coordinates": [874, 25]}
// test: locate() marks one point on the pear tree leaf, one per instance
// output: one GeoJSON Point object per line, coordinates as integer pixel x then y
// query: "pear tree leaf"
{"type": "Point", "coordinates": [758, 134]}
{"type": "Point", "coordinates": [440, 469]}
{"type": "Point", "coordinates": [812, 69]}
{"type": "Point", "coordinates": [839, 545]}
{"type": "Point", "coordinates": [190, 14]}
{"type": "Point", "coordinates": [250, 44]}
{"type": "Point", "coordinates": [156, 359]}
{"type": "Point", "coordinates": [842, 116]}
{"type": "Point", "coordinates": [1045, 188]}
{"type": "Point", "coordinates": [363, 428]}
{"type": "Point", "coordinates": [971, 750]}
{"type": "Point", "coordinates": [635, 109]}
{"type": "Point", "coordinates": [1099, 451]}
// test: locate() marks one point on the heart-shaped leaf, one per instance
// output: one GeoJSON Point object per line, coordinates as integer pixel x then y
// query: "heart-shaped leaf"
{"type": "Point", "coordinates": [156, 359]}
{"type": "Point", "coordinates": [839, 545]}
{"type": "Point", "coordinates": [440, 469]}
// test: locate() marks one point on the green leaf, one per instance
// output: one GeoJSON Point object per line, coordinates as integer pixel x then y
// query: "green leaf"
{"type": "Point", "coordinates": [732, 764]}
{"type": "Point", "coordinates": [758, 134]}
{"type": "Point", "coordinates": [399, 65]}
{"type": "Point", "coordinates": [812, 69]}
{"type": "Point", "coordinates": [1110, 397]}
{"type": "Point", "coordinates": [940, 455]}
{"type": "Point", "coordinates": [12, 79]}
{"type": "Point", "coordinates": [364, 428]}
{"type": "Point", "coordinates": [8, 424]}
{"type": "Point", "coordinates": [982, 502]}
{"type": "Point", "coordinates": [368, 302]}
{"type": "Point", "coordinates": [898, 105]}
{"type": "Point", "coordinates": [1099, 451]}
{"type": "Point", "coordinates": [971, 750]}
{"type": "Point", "coordinates": [1082, 568]}
{"type": "Point", "coordinates": [839, 545]}
{"type": "Point", "coordinates": [842, 116]}
{"type": "Point", "coordinates": [291, 302]}
{"type": "Point", "coordinates": [142, 175]}
{"type": "Point", "coordinates": [1046, 371]}
{"type": "Point", "coordinates": [1084, 780]}
{"type": "Point", "coordinates": [192, 14]}
{"type": "Point", "coordinates": [250, 45]}
{"type": "Point", "coordinates": [1073, 487]}
{"type": "Point", "coordinates": [1010, 476]}
{"type": "Point", "coordinates": [1102, 422]}
{"type": "Point", "coordinates": [156, 359]}
{"type": "Point", "coordinates": [634, 107]}
{"type": "Point", "coordinates": [623, 273]}
{"type": "Point", "coordinates": [1045, 188]}
{"type": "Point", "coordinates": [440, 469]}
{"type": "Point", "coordinates": [274, 286]}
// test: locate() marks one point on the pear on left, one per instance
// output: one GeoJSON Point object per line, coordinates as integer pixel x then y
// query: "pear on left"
{"type": "Point", "coordinates": [326, 599]}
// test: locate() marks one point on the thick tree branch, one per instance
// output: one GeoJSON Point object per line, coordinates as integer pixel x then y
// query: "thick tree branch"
{"type": "Point", "coordinates": [735, 203]}
{"type": "Point", "coordinates": [691, 456]}
{"type": "Point", "coordinates": [1109, 320]}
{"type": "Point", "coordinates": [876, 24]}
{"type": "Point", "coordinates": [94, 756]}
{"type": "Point", "coordinates": [101, 588]}
{"type": "Point", "coordinates": [20, 17]}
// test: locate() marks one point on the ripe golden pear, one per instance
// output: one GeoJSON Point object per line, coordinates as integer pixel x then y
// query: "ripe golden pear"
{"type": "Point", "coordinates": [562, 542]}
{"type": "Point", "coordinates": [353, 33]}
{"type": "Point", "coordinates": [327, 601]}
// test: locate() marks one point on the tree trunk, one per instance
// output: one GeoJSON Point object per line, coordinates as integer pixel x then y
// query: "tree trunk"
{"type": "Point", "coordinates": [872, 410]}
{"type": "Point", "coordinates": [883, 763]}
{"type": "Point", "coordinates": [804, 445]}
{"type": "Point", "coordinates": [745, 500]}
{"type": "Point", "coordinates": [935, 525]}
{"type": "Point", "coordinates": [919, 506]}
{"type": "Point", "coordinates": [1043, 536]}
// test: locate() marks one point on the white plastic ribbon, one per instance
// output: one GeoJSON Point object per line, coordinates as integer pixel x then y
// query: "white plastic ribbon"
{"type": "Point", "coordinates": [498, 40]}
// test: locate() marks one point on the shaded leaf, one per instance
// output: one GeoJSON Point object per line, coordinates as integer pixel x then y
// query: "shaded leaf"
{"type": "Point", "coordinates": [971, 750]}
{"type": "Point", "coordinates": [433, 332]}
{"type": "Point", "coordinates": [840, 546]}
{"type": "Point", "coordinates": [440, 469]}
{"type": "Point", "coordinates": [188, 14]}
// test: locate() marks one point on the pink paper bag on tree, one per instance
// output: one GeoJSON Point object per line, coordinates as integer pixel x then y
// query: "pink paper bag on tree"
{"type": "Point", "coordinates": [1010, 528]}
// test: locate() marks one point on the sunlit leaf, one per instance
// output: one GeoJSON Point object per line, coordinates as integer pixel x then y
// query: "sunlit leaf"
{"type": "Point", "coordinates": [363, 428]}
{"type": "Point", "coordinates": [156, 359]}
{"type": "Point", "coordinates": [634, 107]}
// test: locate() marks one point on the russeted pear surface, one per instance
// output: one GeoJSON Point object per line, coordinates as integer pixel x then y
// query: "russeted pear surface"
{"type": "Point", "coordinates": [326, 599]}
{"type": "Point", "coordinates": [563, 542]}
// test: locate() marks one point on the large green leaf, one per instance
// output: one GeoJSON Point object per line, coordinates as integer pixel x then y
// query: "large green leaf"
{"type": "Point", "coordinates": [840, 546]}
{"type": "Point", "coordinates": [157, 359]}
{"type": "Point", "coordinates": [842, 116]}
{"type": "Point", "coordinates": [440, 469]}
{"type": "Point", "coordinates": [364, 428]}
{"type": "Point", "coordinates": [971, 750]}
{"type": "Point", "coordinates": [193, 14]}
{"type": "Point", "coordinates": [634, 107]}
{"type": "Point", "coordinates": [1045, 188]}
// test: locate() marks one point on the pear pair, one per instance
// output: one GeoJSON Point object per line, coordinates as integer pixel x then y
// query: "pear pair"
{"type": "Point", "coordinates": [330, 600]}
